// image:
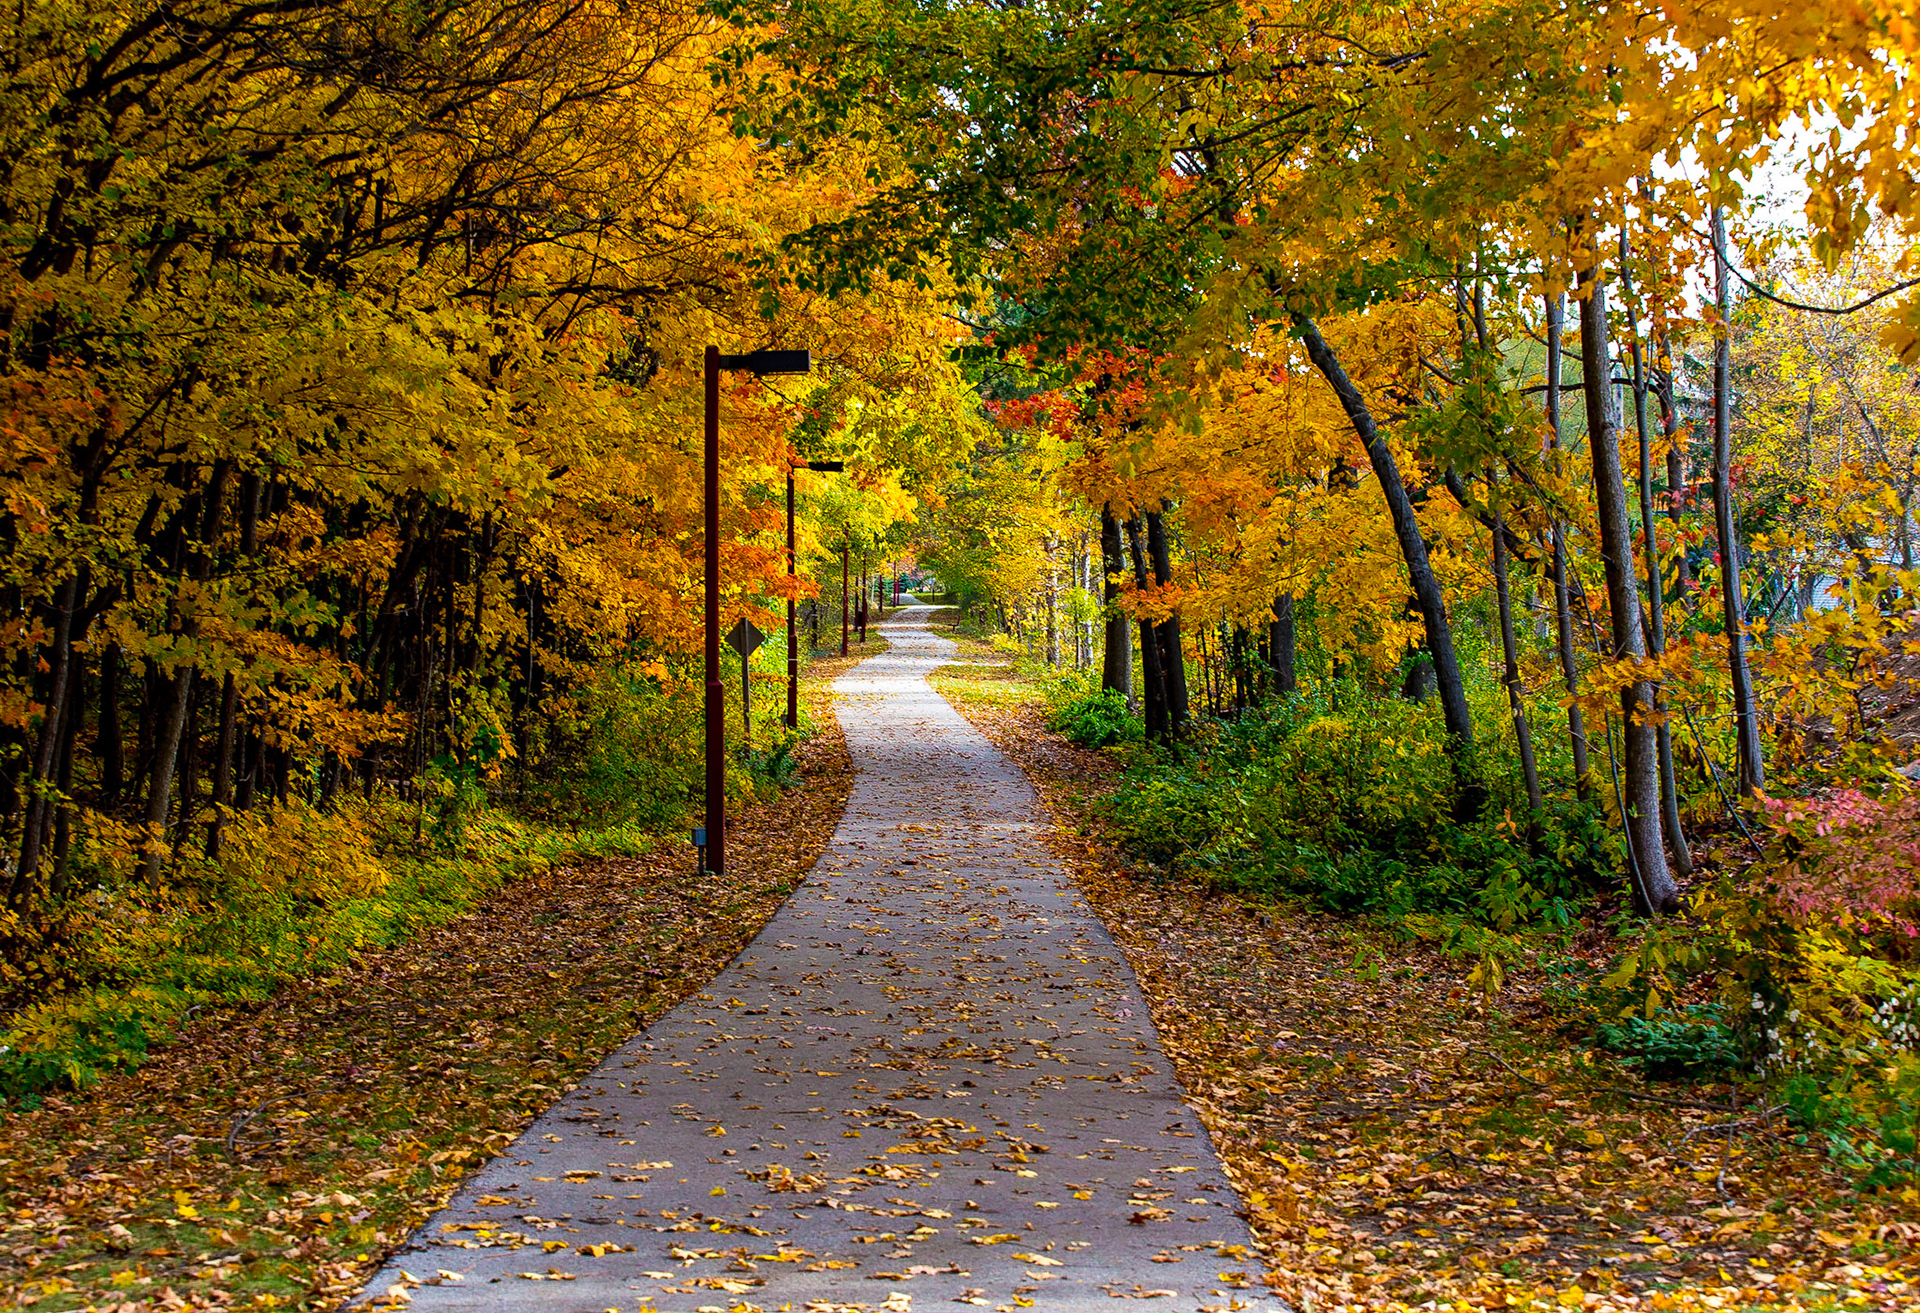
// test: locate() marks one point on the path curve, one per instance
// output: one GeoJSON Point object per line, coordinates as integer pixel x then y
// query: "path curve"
{"type": "Point", "coordinates": [930, 1082]}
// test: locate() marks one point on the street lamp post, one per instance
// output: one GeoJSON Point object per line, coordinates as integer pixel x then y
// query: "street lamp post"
{"type": "Point", "coordinates": [760, 363]}
{"type": "Point", "coordinates": [793, 639]}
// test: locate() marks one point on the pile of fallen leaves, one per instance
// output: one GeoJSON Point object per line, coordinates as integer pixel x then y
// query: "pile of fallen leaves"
{"type": "Point", "coordinates": [1400, 1141]}
{"type": "Point", "coordinates": [271, 1158]}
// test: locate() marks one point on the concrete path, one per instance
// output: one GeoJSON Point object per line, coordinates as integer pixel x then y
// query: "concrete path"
{"type": "Point", "coordinates": [930, 1083]}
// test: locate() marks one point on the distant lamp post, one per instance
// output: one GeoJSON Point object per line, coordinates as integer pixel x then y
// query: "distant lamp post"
{"type": "Point", "coordinates": [760, 363]}
{"type": "Point", "coordinates": [793, 639]}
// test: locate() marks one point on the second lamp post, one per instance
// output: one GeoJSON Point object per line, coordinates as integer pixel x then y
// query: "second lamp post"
{"type": "Point", "coordinates": [760, 363]}
{"type": "Point", "coordinates": [793, 643]}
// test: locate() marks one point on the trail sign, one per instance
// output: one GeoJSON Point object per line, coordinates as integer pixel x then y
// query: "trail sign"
{"type": "Point", "coordinates": [744, 638]}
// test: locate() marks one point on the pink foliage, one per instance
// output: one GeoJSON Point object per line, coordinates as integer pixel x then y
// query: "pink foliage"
{"type": "Point", "coordinates": [1856, 859]}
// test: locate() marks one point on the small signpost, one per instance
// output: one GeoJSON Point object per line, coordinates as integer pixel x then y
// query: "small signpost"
{"type": "Point", "coordinates": [744, 638]}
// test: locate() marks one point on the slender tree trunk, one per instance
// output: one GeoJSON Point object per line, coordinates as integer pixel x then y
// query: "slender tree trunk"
{"type": "Point", "coordinates": [1676, 459]}
{"type": "Point", "coordinates": [1155, 691]}
{"type": "Point", "coordinates": [1656, 592]}
{"type": "Point", "coordinates": [226, 741]}
{"type": "Point", "coordinates": [63, 779]}
{"type": "Point", "coordinates": [1406, 528]}
{"type": "Point", "coordinates": [179, 701]}
{"type": "Point", "coordinates": [166, 751]}
{"type": "Point", "coordinates": [1053, 601]}
{"type": "Point", "coordinates": [1173, 659]}
{"type": "Point", "coordinates": [1753, 774]}
{"type": "Point", "coordinates": [1116, 662]}
{"type": "Point", "coordinates": [1281, 646]}
{"type": "Point", "coordinates": [1509, 651]}
{"type": "Point", "coordinates": [1562, 593]}
{"type": "Point", "coordinates": [59, 660]}
{"type": "Point", "coordinates": [222, 765]}
{"type": "Point", "coordinates": [1654, 887]}
{"type": "Point", "coordinates": [188, 786]}
{"type": "Point", "coordinates": [109, 743]}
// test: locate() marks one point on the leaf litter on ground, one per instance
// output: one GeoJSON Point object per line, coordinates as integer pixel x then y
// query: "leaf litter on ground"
{"type": "Point", "coordinates": [273, 1157]}
{"type": "Point", "coordinates": [1400, 1141]}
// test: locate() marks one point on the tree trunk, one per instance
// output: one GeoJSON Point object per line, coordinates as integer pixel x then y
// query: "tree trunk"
{"type": "Point", "coordinates": [166, 750]}
{"type": "Point", "coordinates": [1173, 659]}
{"type": "Point", "coordinates": [109, 742]}
{"type": "Point", "coordinates": [1753, 774]}
{"type": "Point", "coordinates": [1155, 692]}
{"type": "Point", "coordinates": [1116, 662]}
{"type": "Point", "coordinates": [1282, 644]}
{"type": "Point", "coordinates": [1676, 458]}
{"type": "Point", "coordinates": [1406, 528]}
{"type": "Point", "coordinates": [1509, 651]}
{"type": "Point", "coordinates": [59, 660]}
{"type": "Point", "coordinates": [179, 700]}
{"type": "Point", "coordinates": [1562, 594]}
{"type": "Point", "coordinates": [63, 778]}
{"type": "Point", "coordinates": [222, 766]}
{"type": "Point", "coordinates": [1653, 885]}
{"type": "Point", "coordinates": [188, 786]}
{"type": "Point", "coordinates": [1656, 598]}
{"type": "Point", "coordinates": [1053, 601]}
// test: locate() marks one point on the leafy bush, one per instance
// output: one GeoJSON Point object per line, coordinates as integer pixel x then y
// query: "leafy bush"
{"type": "Point", "coordinates": [1352, 808]}
{"type": "Point", "coordinates": [1098, 719]}
{"type": "Point", "coordinates": [624, 749]}
{"type": "Point", "coordinates": [1695, 1044]}
{"type": "Point", "coordinates": [1811, 949]}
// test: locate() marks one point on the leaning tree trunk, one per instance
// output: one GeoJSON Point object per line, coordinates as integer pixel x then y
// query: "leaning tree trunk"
{"type": "Point", "coordinates": [1406, 528]}
{"type": "Point", "coordinates": [1116, 662]}
{"type": "Point", "coordinates": [1503, 598]}
{"type": "Point", "coordinates": [1562, 594]}
{"type": "Point", "coordinates": [166, 753]}
{"type": "Point", "coordinates": [1656, 595]}
{"type": "Point", "coordinates": [1753, 774]}
{"type": "Point", "coordinates": [1653, 886]}
{"type": "Point", "coordinates": [1510, 660]}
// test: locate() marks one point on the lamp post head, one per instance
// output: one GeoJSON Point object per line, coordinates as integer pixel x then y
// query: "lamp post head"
{"type": "Point", "coordinates": [767, 362]}
{"type": "Point", "coordinates": [827, 466]}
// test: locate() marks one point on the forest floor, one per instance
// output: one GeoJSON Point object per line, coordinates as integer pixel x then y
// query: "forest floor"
{"type": "Point", "coordinates": [274, 1157]}
{"type": "Point", "coordinates": [1401, 1139]}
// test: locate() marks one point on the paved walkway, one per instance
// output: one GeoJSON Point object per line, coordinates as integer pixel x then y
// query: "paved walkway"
{"type": "Point", "coordinates": [929, 1083]}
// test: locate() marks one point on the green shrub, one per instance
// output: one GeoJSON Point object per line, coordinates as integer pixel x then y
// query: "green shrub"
{"type": "Point", "coordinates": [1098, 719]}
{"type": "Point", "coordinates": [624, 749]}
{"type": "Point", "coordinates": [1353, 808]}
{"type": "Point", "coordinates": [1694, 1044]}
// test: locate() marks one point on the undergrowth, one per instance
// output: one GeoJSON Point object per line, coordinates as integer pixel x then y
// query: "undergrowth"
{"type": "Point", "coordinates": [299, 890]}
{"type": "Point", "coordinates": [1355, 809]}
{"type": "Point", "coordinates": [1792, 975]}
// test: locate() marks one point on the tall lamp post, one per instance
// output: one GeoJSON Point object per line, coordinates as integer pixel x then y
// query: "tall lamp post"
{"type": "Point", "coordinates": [760, 363]}
{"type": "Point", "coordinates": [793, 640]}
